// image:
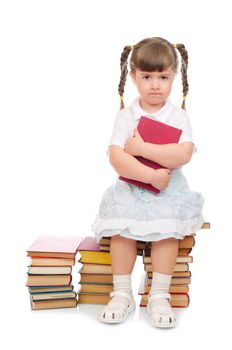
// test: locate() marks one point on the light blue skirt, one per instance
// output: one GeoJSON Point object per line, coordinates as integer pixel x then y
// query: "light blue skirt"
{"type": "Point", "coordinates": [136, 213]}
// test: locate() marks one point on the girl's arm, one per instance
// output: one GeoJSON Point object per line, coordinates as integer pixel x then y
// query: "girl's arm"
{"type": "Point", "coordinates": [171, 155]}
{"type": "Point", "coordinates": [129, 167]}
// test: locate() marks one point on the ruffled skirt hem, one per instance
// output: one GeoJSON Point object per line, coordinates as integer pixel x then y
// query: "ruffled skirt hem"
{"type": "Point", "coordinates": [146, 231]}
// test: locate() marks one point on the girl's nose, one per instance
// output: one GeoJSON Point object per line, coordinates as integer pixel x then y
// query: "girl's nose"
{"type": "Point", "coordinates": [155, 84]}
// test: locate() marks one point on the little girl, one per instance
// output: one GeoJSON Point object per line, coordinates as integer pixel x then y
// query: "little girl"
{"type": "Point", "coordinates": [129, 213]}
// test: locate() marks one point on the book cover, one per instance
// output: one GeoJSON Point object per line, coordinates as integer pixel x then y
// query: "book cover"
{"type": "Point", "coordinates": [177, 268]}
{"type": "Point", "coordinates": [179, 259]}
{"type": "Point", "coordinates": [51, 262]}
{"type": "Point", "coordinates": [187, 242]}
{"type": "Point", "coordinates": [59, 246]}
{"type": "Point", "coordinates": [95, 278]}
{"type": "Point", "coordinates": [96, 269]}
{"type": "Point", "coordinates": [53, 303]}
{"type": "Point", "coordinates": [179, 274]}
{"type": "Point", "coordinates": [89, 244]}
{"type": "Point", "coordinates": [95, 288]}
{"type": "Point", "coordinates": [47, 289]}
{"type": "Point", "coordinates": [155, 132]}
{"type": "Point", "coordinates": [95, 257]}
{"type": "Point", "coordinates": [53, 295]}
{"type": "Point", "coordinates": [49, 270]}
{"type": "Point", "coordinates": [93, 298]}
{"type": "Point", "coordinates": [178, 299]}
{"type": "Point", "coordinates": [145, 286]}
{"type": "Point", "coordinates": [48, 280]}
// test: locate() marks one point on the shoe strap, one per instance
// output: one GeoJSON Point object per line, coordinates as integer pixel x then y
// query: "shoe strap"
{"type": "Point", "coordinates": [159, 296]}
{"type": "Point", "coordinates": [121, 294]}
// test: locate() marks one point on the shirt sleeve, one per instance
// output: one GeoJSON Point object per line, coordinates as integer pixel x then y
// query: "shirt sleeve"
{"type": "Point", "coordinates": [121, 131]}
{"type": "Point", "coordinates": [186, 135]}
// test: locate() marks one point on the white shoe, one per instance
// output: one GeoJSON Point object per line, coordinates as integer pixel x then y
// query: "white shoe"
{"type": "Point", "coordinates": [115, 312]}
{"type": "Point", "coordinates": [161, 316]}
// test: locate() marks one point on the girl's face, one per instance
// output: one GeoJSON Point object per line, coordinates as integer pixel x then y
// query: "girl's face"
{"type": "Point", "coordinates": [153, 87]}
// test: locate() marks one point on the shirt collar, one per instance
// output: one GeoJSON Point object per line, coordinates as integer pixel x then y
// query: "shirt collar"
{"type": "Point", "coordinates": [160, 115]}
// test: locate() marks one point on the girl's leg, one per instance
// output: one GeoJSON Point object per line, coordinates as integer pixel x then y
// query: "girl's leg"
{"type": "Point", "coordinates": [123, 252]}
{"type": "Point", "coordinates": [163, 256]}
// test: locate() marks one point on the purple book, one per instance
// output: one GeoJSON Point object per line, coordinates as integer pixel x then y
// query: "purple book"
{"type": "Point", "coordinates": [89, 243]}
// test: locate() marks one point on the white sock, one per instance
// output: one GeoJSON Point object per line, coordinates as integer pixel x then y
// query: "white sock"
{"type": "Point", "coordinates": [121, 283]}
{"type": "Point", "coordinates": [113, 311]}
{"type": "Point", "coordinates": [160, 284]}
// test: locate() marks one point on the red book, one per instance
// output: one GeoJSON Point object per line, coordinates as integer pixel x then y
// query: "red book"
{"type": "Point", "coordinates": [158, 133]}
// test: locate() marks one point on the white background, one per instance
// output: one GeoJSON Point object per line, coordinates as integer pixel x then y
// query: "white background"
{"type": "Point", "coordinates": [59, 71]}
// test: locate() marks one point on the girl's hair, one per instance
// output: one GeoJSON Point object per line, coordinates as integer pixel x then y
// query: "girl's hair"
{"type": "Point", "coordinates": [153, 55]}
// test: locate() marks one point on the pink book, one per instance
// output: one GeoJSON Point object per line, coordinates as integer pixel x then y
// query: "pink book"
{"type": "Point", "coordinates": [158, 133]}
{"type": "Point", "coordinates": [89, 243]}
{"type": "Point", "coordinates": [55, 246]}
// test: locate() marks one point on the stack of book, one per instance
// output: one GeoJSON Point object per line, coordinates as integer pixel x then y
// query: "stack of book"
{"type": "Point", "coordinates": [96, 281]}
{"type": "Point", "coordinates": [105, 245]}
{"type": "Point", "coordinates": [49, 278]}
{"type": "Point", "coordinates": [181, 278]}
{"type": "Point", "coordinates": [96, 278]}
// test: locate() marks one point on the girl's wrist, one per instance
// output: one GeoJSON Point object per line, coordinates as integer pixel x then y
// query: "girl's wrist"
{"type": "Point", "coordinates": [151, 176]}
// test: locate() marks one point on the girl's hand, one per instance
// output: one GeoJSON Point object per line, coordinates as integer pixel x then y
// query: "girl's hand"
{"type": "Point", "coordinates": [161, 179]}
{"type": "Point", "coordinates": [134, 144]}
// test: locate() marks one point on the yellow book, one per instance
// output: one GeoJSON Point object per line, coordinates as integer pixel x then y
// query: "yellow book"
{"type": "Point", "coordinates": [88, 256]}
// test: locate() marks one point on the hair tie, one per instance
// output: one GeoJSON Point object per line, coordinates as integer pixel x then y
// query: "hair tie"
{"type": "Point", "coordinates": [132, 46]}
{"type": "Point", "coordinates": [121, 97]}
{"type": "Point", "coordinates": [175, 46]}
{"type": "Point", "coordinates": [184, 97]}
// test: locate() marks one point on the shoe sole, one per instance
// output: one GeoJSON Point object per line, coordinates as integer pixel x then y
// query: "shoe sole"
{"type": "Point", "coordinates": [158, 324]}
{"type": "Point", "coordinates": [112, 320]}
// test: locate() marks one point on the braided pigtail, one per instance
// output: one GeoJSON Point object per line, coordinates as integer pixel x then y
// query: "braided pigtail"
{"type": "Point", "coordinates": [184, 66]}
{"type": "Point", "coordinates": [124, 72]}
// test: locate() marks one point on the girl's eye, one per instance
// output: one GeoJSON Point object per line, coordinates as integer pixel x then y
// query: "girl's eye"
{"type": "Point", "coordinates": [164, 77]}
{"type": "Point", "coordinates": [146, 77]}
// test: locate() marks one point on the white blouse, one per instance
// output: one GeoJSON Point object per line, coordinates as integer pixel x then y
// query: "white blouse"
{"type": "Point", "coordinates": [128, 118]}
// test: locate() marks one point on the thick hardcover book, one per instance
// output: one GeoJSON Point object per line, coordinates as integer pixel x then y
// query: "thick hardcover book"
{"type": "Point", "coordinates": [48, 280]}
{"type": "Point", "coordinates": [53, 303]}
{"type": "Point", "coordinates": [55, 246]}
{"type": "Point", "coordinates": [158, 133]}
{"type": "Point", "coordinates": [179, 294]}
{"type": "Point", "coordinates": [49, 270]}
{"type": "Point", "coordinates": [95, 257]}
{"type": "Point", "coordinates": [89, 244]}
{"type": "Point", "coordinates": [178, 300]}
